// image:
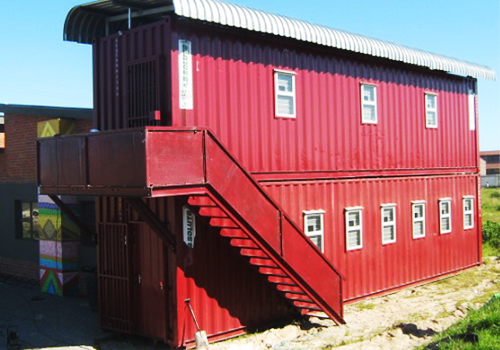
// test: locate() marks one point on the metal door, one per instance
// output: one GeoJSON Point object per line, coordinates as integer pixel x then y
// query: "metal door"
{"type": "Point", "coordinates": [150, 283]}
{"type": "Point", "coordinates": [114, 277]}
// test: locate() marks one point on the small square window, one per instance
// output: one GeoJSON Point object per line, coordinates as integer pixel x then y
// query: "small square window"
{"type": "Point", "coordinates": [284, 90]}
{"type": "Point", "coordinates": [354, 228]}
{"type": "Point", "coordinates": [468, 212]}
{"type": "Point", "coordinates": [388, 216]}
{"type": "Point", "coordinates": [313, 227]}
{"type": "Point", "coordinates": [418, 213]}
{"type": "Point", "coordinates": [445, 215]}
{"type": "Point", "coordinates": [431, 114]}
{"type": "Point", "coordinates": [369, 104]}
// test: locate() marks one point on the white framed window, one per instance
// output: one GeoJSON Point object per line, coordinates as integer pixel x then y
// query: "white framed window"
{"type": "Point", "coordinates": [314, 227]}
{"type": "Point", "coordinates": [284, 94]}
{"type": "Point", "coordinates": [388, 216]}
{"type": "Point", "coordinates": [418, 217]}
{"type": "Point", "coordinates": [431, 114]}
{"type": "Point", "coordinates": [354, 228]}
{"type": "Point", "coordinates": [472, 110]}
{"type": "Point", "coordinates": [445, 215]}
{"type": "Point", "coordinates": [369, 104]}
{"type": "Point", "coordinates": [468, 205]}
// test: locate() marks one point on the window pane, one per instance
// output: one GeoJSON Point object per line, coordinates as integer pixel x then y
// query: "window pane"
{"type": "Point", "coordinates": [445, 224]}
{"type": "Point", "coordinates": [285, 82]}
{"type": "Point", "coordinates": [431, 101]}
{"type": "Point", "coordinates": [35, 220]}
{"type": "Point", "coordinates": [468, 220]}
{"type": "Point", "coordinates": [388, 233]}
{"type": "Point", "coordinates": [285, 105]}
{"type": "Point", "coordinates": [353, 238]}
{"type": "Point", "coordinates": [368, 93]}
{"type": "Point", "coordinates": [313, 223]}
{"type": "Point", "coordinates": [353, 219]}
{"type": "Point", "coordinates": [445, 208]}
{"type": "Point", "coordinates": [431, 118]}
{"type": "Point", "coordinates": [388, 214]}
{"type": "Point", "coordinates": [418, 228]}
{"type": "Point", "coordinates": [468, 205]}
{"type": "Point", "coordinates": [369, 113]}
{"type": "Point", "coordinates": [26, 208]}
{"type": "Point", "coordinates": [317, 241]}
{"type": "Point", "coordinates": [418, 211]}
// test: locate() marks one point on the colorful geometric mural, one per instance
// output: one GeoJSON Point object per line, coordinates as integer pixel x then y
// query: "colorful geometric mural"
{"type": "Point", "coordinates": [59, 242]}
{"type": "Point", "coordinates": [59, 236]}
{"type": "Point", "coordinates": [53, 127]}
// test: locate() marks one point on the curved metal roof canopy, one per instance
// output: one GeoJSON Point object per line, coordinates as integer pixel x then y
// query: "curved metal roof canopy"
{"type": "Point", "coordinates": [97, 19]}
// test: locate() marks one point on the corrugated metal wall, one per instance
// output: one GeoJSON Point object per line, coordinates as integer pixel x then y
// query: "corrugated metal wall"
{"type": "Point", "coordinates": [233, 95]}
{"type": "Point", "coordinates": [227, 296]}
{"type": "Point", "coordinates": [112, 57]}
{"type": "Point", "coordinates": [377, 267]}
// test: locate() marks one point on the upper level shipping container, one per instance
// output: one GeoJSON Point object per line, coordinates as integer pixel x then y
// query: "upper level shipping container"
{"type": "Point", "coordinates": [283, 105]}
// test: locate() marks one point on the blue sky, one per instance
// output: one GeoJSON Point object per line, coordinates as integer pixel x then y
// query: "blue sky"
{"type": "Point", "coordinates": [38, 68]}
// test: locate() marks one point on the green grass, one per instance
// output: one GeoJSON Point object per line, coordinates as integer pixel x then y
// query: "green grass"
{"type": "Point", "coordinates": [484, 322]}
{"type": "Point", "coordinates": [491, 212]}
{"type": "Point", "coordinates": [491, 204]}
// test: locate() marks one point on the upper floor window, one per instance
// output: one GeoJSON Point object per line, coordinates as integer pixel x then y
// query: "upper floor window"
{"type": "Point", "coordinates": [369, 104]}
{"type": "Point", "coordinates": [354, 228]}
{"type": "Point", "coordinates": [284, 94]}
{"type": "Point", "coordinates": [27, 217]}
{"type": "Point", "coordinates": [431, 114]}
{"type": "Point", "coordinates": [388, 214]}
{"type": "Point", "coordinates": [468, 212]}
{"type": "Point", "coordinates": [445, 215]}
{"type": "Point", "coordinates": [418, 214]}
{"type": "Point", "coordinates": [313, 227]}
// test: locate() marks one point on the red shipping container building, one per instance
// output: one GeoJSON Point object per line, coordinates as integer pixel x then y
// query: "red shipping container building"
{"type": "Point", "coordinates": [264, 167]}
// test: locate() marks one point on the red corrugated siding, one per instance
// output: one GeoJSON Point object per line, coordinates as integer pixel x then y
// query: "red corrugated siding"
{"type": "Point", "coordinates": [378, 267]}
{"type": "Point", "coordinates": [233, 95]}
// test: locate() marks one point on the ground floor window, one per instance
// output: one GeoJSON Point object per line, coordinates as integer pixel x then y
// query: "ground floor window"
{"type": "Point", "coordinates": [314, 227]}
{"type": "Point", "coordinates": [468, 212]}
{"type": "Point", "coordinates": [27, 219]}
{"type": "Point", "coordinates": [388, 215]}
{"type": "Point", "coordinates": [354, 227]}
{"type": "Point", "coordinates": [445, 215]}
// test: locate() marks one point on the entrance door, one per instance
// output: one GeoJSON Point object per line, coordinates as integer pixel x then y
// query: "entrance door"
{"type": "Point", "coordinates": [114, 277]}
{"type": "Point", "coordinates": [150, 283]}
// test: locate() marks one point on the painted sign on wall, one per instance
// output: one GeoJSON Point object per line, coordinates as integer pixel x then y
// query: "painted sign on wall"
{"type": "Point", "coordinates": [189, 227]}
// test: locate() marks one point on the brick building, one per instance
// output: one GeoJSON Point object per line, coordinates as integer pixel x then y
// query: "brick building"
{"type": "Point", "coordinates": [19, 214]}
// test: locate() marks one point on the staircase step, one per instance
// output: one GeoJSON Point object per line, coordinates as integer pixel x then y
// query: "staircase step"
{"type": "Point", "coordinates": [272, 271]}
{"type": "Point", "coordinates": [318, 314]}
{"type": "Point", "coordinates": [221, 222]}
{"type": "Point", "coordinates": [298, 297]}
{"type": "Point", "coordinates": [213, 212]}
{"type": "Point", "coordinates": [243, 243]}
{"type": "Point", "coordinates": [233, 233]}
{"type": "Point", "coordinates": [253, 253]}
{"type": "Point", "coordinates": [201, 201]}
{"type": "Point", "coordinates": [292, 289]}
{"type": "Point", "coordinates": [281, 280]}
{"type": "Point", "coordinates": [262, 262]}
{"type": "Point", "coordinates": [305, 305]}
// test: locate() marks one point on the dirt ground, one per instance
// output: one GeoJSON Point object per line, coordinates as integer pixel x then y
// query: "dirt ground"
{"type": "Point", "coordinates": [401, 320]}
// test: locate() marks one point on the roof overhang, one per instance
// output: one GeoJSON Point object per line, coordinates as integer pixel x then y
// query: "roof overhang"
{"type": "Point", "coordinates": [87, 22]}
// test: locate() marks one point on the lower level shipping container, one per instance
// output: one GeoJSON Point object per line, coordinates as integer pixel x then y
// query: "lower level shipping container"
{"type": "Point", "coordinates": [406, 230]}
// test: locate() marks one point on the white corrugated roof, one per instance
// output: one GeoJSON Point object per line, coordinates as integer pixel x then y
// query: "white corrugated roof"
{"type": "Point", "coordinates": [224, 13]}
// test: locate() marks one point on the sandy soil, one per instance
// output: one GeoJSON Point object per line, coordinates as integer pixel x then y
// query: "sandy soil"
{"type": "Point", "coordinates": [402, 320]}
